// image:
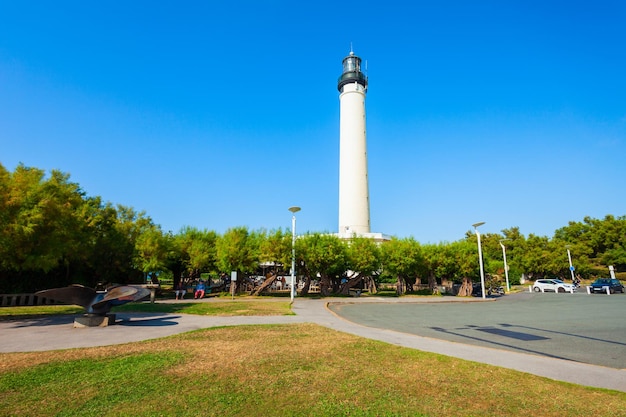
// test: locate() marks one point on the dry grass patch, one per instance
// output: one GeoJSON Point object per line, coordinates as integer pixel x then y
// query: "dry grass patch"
{"type": "Point", "coordinates": [299, 370]}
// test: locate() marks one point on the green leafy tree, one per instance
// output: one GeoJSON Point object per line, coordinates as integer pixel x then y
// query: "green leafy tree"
{"type": "Point", "coordinates": [403, 259]}
{"type": "Point", "coordinates": [40, 225]}
{"type": "Point", "coordinates": [198, 250]}
{"type": "Point", "coordinates": [275, 248]}
{"type": "Point", "coordinates": [456, 262]}
{"type": "Point", "coordinates": [322, 255]}
{"type": "Point", "coordinates": [597, 243]}
{"type": "Point", "coordinates": [466, 265]}
{"type": "Point", "coordinates": [108, 253]}
{"type": "Point", "coordinates": [514, 242]}
{"type": "Point", "coordinates": [275, 254]}
{"type": "Point", "coordinates": [536, 256]}
{"type": "Point", "coordinates": [238, 250]}
{"type": "Point", "coordinates": [363, 261]}
{"type": "Point", "coordinates": [151, 250]}
{"type": "Point", "coordinates": [5, 217]}
{"type": "Point", "coordinates": [130, 226]}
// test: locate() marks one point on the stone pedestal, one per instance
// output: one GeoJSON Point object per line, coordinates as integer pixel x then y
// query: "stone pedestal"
{"type": "Point", "coordinates": [94, 320]}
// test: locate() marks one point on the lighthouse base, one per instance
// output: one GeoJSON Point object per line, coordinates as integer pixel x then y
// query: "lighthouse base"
{"type": "Point", "coordinates": [377, 237]}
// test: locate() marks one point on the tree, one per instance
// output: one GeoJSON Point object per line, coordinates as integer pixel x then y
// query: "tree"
{"type": "Point", "coordinates": [322, 255]}
{"type": "Point", "coordinates": [514, 242]}
{"type": "Point", "coordinates": [598, 243]}
{"type": "Point", "coordinates": [108, 253]}
{"type": "Point", "coordinates": [403, 258]}
{"type": "Point", "coordinates": [5, 217]}
{"type": "Point", "coordinates": [238, 250]}
{"type": "Point", "coordinates": [198, 250]}
{"type": "Point", "coordinates": [151, 250]}
{"type": "Point", "coordinates": [363, 261]}
{"type": "Point", "coordinates": [441, 263]}
{"type": "Point", "coordinates": [465, 265]}
{"type": "Point", "coordinates": [40, 226]}
{"type": "Point", "coordinates": [275, 252]}
{"type": "Point", "coordinates": [130, 225]}
{"type": "Point", "coordinates": [536, 256]}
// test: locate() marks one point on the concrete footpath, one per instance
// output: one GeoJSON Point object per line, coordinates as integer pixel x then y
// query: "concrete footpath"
{"type": "Point", "coordinates": [57, 332]}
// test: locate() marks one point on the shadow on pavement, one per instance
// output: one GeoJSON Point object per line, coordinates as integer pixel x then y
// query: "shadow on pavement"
{"type": "Point", "coordinates": [150, 321]}
{"type": "Point", "coordinates": [499, 344]}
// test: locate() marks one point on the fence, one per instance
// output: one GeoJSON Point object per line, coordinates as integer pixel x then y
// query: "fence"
{"type": "Point", "coordinates": [15, 300]}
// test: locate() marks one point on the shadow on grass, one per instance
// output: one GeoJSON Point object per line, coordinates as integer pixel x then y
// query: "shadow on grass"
{"type": "Point", "coordinates": [153, 308]}
{"type": "Point", "coordinates": [137, 319]}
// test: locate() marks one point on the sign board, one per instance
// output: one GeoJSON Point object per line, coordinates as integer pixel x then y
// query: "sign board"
{"type": "Point", "coordinates": [571, 268]}
{"type": "Point", "coordinates": [233, 276]}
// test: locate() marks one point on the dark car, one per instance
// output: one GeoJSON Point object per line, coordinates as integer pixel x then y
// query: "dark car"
{"type": "Point", "coordinates": [600, 285]}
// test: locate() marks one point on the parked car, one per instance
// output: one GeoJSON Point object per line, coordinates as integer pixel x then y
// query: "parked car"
{"type": "Point", "coordinates": [614, 285]}
{"type": "Point", "coordinates": [555, 285]}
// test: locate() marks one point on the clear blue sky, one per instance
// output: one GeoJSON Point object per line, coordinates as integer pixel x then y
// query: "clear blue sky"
{"type": "Point", "coordinates": [217, 114]}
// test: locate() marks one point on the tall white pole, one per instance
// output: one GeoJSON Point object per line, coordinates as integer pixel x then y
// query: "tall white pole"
{"type": "Point", "coordinates": [571, 267]}
{"type": "Point", "coordinates": [506, 268]}
{"type": "Point", "coordinates": [292, 291]}
{"type": "Point", "coordinates": [480, 258]}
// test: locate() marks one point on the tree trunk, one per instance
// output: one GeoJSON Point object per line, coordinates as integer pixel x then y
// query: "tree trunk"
{"type": "Point", "coordinates": [345, 287]}
{"type": "Point", "coordinates": [466, 288]}
{"type": "Point", "coordinates": [269, 279]}
{"type": "Point", "coordinates": [371, 285]}
{"type": "Point", "coordinates": [307, 285]}
{"type": "Point", "coordinates": [400, 286]}
{"type": "Point", "coordinates": [432, 284]}
{"type": "Point", "coordinates": [325, 285]}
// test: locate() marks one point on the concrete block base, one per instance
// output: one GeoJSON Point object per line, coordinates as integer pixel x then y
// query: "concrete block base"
{"type": "Point", "coordinates": [94, 320]}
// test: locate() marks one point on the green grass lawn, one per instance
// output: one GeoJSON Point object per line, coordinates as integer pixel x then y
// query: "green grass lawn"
{"type": "Point", "coordinates": [213, 308]}
{"type": "Point", "coordinates": [7, 313]}
{"type": "Point", "coordinates": [279, 370]}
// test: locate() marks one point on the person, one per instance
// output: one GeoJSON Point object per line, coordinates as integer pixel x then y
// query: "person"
{"type": "Point", "coordinates": [180, 290]}
{"type": "Point", "coordinates": [199, 290]}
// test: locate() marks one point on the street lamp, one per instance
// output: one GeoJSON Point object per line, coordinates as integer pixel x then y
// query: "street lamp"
{"type": "Point", "coordinates": [506, 269]}
{"type": "Point", "coordinates": [292, 291]}
{"type": "Point", "coordinates": [569, 258]}
{"type": "Point", "coordinates": [480, 258]}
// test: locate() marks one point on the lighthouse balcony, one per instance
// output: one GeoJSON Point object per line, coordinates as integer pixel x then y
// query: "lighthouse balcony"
{"type": "Point", "coordinates": [352, 77]}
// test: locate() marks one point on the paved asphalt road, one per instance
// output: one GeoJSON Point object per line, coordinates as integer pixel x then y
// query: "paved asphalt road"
{"type": "Point", "coordinates": [576, 327]}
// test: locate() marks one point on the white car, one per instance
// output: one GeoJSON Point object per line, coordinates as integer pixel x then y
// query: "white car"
{"type": "Point", "coordinates": [556, 285]}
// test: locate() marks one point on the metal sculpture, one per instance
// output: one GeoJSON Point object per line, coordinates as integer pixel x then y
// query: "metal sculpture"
{"type": "Point", "coordinates": [96, 302]}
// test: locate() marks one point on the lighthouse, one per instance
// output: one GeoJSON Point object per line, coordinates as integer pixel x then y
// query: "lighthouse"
{"type": "Point", "coordinates": [354, 204]}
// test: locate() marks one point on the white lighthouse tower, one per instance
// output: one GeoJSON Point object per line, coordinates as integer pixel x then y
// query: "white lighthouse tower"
{"type": "Point", "coordinates": [354, 205]}
{"type": "Point", "coordinates": [354, 200]}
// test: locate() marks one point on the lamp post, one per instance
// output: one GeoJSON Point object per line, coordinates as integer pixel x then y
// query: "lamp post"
{"type": "Point", "coordinates": [292, 290]}
{"type": "Point", "coordinates": [480, 258]}
{"type": "Point", "coordinates": [569, 258]}
{"type": "Point", "coordinates": [506, 269]}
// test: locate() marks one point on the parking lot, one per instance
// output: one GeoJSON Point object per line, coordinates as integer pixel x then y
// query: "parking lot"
{"type": "Point", "coordinates": [577, 327]}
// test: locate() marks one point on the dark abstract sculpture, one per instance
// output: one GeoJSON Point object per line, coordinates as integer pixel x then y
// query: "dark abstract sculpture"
{"type": "Point", "coordinates": [97, 303]}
